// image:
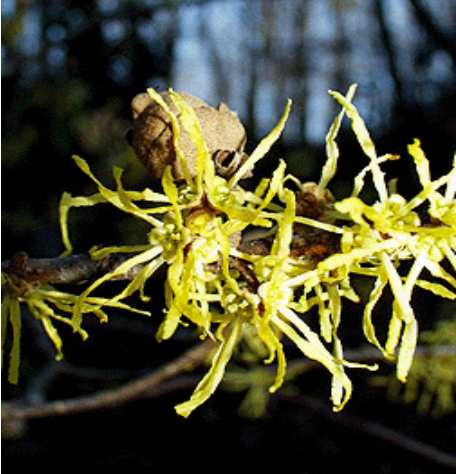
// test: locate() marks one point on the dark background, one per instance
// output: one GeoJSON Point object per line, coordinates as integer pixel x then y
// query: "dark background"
{"type": "Point", "coordinates": [69, 72]}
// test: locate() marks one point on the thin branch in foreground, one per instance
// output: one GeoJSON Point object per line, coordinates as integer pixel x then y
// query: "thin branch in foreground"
{"type": "Point", "coordinates": [72, 270]}
{"type": "Point", "coordinates": [81, 268]}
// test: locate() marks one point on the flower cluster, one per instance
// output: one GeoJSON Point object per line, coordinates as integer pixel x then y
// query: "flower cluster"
{"type": "Point", "coordinates": [43, 300]}
{"type": "Point", "coordinates": [232, 293]}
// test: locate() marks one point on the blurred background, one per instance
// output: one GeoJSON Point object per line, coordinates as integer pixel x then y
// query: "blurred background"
{"type": "Point", "coordinates": [69, 71]}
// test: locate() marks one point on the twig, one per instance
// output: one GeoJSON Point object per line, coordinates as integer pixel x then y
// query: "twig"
{"type": "Point", "coordinates": [109, 398]}
{"type": "Point", "coordinates": [81, 268]}
{"type": "Point", "coordinates": [71, 270]}
{"type": "Point", "coordinates": [445, 41]}
{"type": "Point", "coordinates": [376, 431]}
{"type": "Point", "coordinates": [153, 383]}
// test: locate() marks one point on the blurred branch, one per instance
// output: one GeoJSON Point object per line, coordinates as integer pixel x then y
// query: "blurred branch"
{"type": "Point", "coordinates": [446, 42]}
{"type": "Point", "coordinates": [385, 34]}
{"type": "Point", "coordinates": [163, 380]}
{"type": "Point", "coordinates": [138, 388]}
{"type": "Point", "coordinates": [375, 430]}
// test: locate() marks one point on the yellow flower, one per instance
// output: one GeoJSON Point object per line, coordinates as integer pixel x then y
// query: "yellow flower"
{"type": "Point", "coordinates": [46, 304]}
{"type": "Point", "coordinates": [199, 217]}
{"type": "Point", "coordinates": [390, 230]}
{"type": "Point", "coordinates": [230, 295]}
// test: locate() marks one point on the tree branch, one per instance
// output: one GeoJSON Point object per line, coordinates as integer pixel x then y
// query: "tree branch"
{"type": "Point", "coordinates": [375, 430]}
{"type": "Point", "coordinates": [154, 383]}
{"type": "Point", "coordinates": [72, 270]}
{"type": "Point", "coordinates": [446, 42]}
{"type": "Point", "coordinates": [385, 34]}
{"type": "Point", "coordinates": [136, 389]}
